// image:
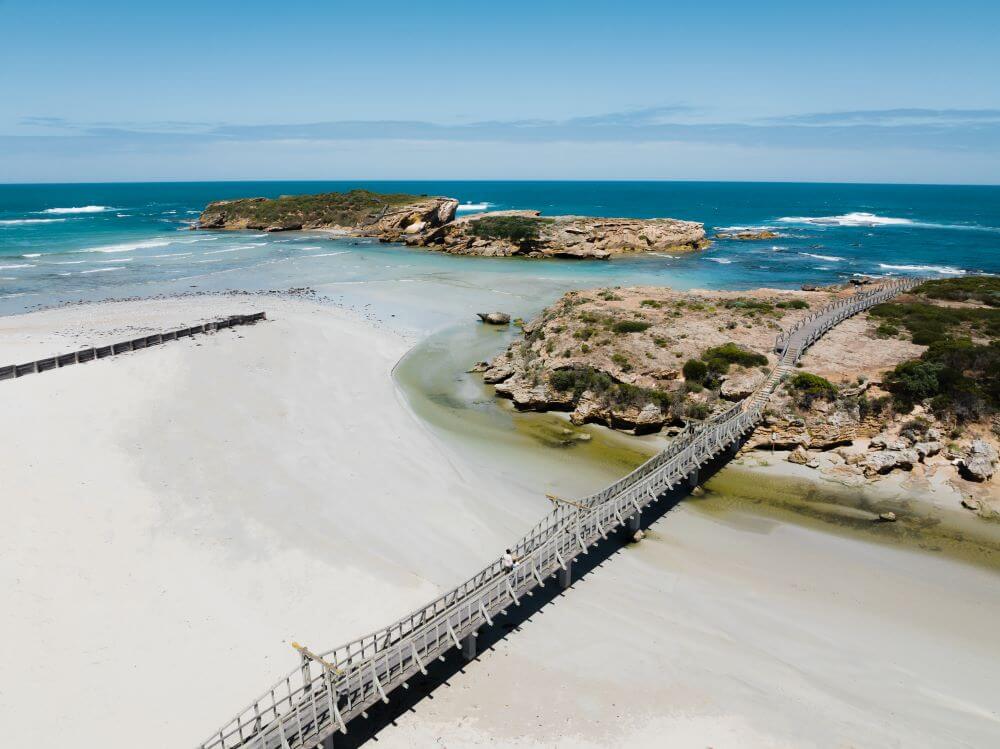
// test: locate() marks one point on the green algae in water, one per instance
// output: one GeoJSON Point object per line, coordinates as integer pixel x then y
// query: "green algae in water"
{"type": "Point", "coordinates": [758, 501]}
{"type": "Point", "coordinates": [615, 452]}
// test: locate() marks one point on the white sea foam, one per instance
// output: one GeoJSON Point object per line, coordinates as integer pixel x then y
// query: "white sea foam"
{"type": "Point", "coordinates": [79, 209]}
{"type": "Point", "coordinates": [32, 254]}
{"type": "Point", "coordinates": [123, 215]}
{"type": "Point", "coordinates": [943, 269]}
{"type": "Point", "coordinates": [121, 260]}
{"type": "Point", "coordinates": [720, 260]}
{"type": "Point", "coordinates": [231, 249]}
{"type": "Point", "coordinates": [22, 221]}
{"type": "Point", "coordinates": [663, 254]}
{"type": "Point", "coordinates": [828, 258]}
{"type": "Point", "coordinates": [19, 265]}
{"type": "Point", "coordinates": [129, 246]}
{"type": "Point", "coordinates": [174, 254]}
{"type": "Point", "coordinates": [330, 254]}
{"type": "Point", "coordinates": [68, 262]}
{"type": "Point", "coordinates": [214, 260]}
{"type": "Point", "coordinates": [473, 206]}
{"type": "Point", "coordinates": [857, 218]}
{"type": "Point", "coordinates": [98, 270]}
{"type": "Point", "coordinates": [311, 247]}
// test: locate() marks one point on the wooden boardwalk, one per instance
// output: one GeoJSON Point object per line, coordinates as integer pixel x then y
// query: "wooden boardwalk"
{"type": "Point", "coordinates": [12, 371]}
{"type": "Point", "coordinates": [330, 689]}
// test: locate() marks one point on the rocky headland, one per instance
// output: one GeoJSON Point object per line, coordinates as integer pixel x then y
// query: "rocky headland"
{"type": "Point", "coordinates": [358, 212]}
{"type": "Point", "coordinates": [430, 222]}
{"type": "Point", "coordinates": [529, 234]}
{"type": "Point", "coordinates": [912, 385]}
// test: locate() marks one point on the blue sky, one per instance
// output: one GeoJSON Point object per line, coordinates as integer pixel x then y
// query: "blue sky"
{"type": "Point", "coordinates": [889, 92]}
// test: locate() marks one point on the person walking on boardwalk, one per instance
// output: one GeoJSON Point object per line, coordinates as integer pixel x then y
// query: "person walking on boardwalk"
{"type": "Point", "coordinates": [508, 561]}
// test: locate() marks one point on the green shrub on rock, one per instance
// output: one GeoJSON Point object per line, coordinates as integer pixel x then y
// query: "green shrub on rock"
{"type": "Point", "coordinates": [695, 370]}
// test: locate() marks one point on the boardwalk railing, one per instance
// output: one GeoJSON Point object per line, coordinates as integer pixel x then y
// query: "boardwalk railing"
{"type": "Point", "coordinates": [330, 689]}
{"type": "Point", "coordinates": [100, 352]}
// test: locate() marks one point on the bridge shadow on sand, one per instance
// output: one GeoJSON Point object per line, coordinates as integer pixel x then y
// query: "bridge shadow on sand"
{"type": "Point", "coordinates": [362, 731]}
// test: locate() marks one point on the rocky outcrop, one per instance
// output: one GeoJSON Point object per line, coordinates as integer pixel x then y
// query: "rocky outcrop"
{"type": "Point", "coordinates": [747, 235]}
{"type": "Point", "coordinates": [884, 461]}
{"type": "Point", "coordinates": [979, 463]}
{"type": "Point", "coordinates": [494, 318]}
{"type": "Point", "coordinates": [430, 222]}
{"type": "Point", "coordinates": [358, 212]}
{"type": "Point", "coordinates": [741, 385]}
{"type": "Point", "coordinates": [616, 356]}
{"type": "Point", "coordinates": [529, 234]}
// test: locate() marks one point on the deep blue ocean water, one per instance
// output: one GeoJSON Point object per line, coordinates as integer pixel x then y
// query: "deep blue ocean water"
{"type": "Point", "coordinates": [70, 242]}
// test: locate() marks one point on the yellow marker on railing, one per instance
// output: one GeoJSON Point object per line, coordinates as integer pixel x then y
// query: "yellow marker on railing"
{"type": "Point", "coordinates": [307, 653]}
{"type": "Point", "coordinates": [553, 498]}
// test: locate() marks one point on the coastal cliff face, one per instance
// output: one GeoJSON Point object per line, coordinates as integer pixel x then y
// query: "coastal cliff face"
{"type": "Point", "coordinates": [913, 385]}
{"type": "Point", "coordinates": [358, 212]}
{"type": "Point", "coordinates": [529, 234]}
{"type": "Point", "coordinates": [421, 221]}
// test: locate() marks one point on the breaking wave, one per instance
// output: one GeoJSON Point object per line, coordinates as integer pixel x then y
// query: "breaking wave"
{"type": "Point", "coordinates": [21, 221]}
{"type": "Point", "coordinates": [858, 218]}
{"type": "Point", "coordinates": [943, 269]}
{"type": "Point", "coordinates": [129, 246]}
{"type": "Point", "coordinates": [720, 260]}
{"type": "Point", "coordinates": [828, 258]}
{"type": "Point", "coordinates": [473, 206]}
{"type": "Point", "coordinates": [80, 209]}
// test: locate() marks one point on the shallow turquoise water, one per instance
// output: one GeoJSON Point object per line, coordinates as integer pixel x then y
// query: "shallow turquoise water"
{"type": "Point", "coordinates": [70, 242]}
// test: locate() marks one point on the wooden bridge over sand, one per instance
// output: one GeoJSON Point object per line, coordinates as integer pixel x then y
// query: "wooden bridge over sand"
{"type": "Point", "coordinates": [330, 689]}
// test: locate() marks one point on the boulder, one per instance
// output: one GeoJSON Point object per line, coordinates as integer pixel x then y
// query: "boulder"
{"type": "Point", "coordinates": [498, 372]}
{"type": "Point", "coordinates": [971, 504]}
{"type": "Point", "coordinates": [494, 318]}
{"type": "Point", "coordinates": [799, 456]}
{"type": "Point", "coordinates": [979, 462]}
{"type": "Point", "coordinates": [927, 449]}
{"type": "Point", "coordinates": [742, 385]}
{"type": "Point", "coordinates": [884, 461]}
{"type": "Point", "coordinates": [885, 442]}
{"type": "Point", "coordinates": [887, 517]}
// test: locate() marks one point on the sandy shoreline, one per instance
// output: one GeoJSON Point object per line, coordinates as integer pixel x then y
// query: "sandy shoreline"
{"type": "Point", "coordinates": [187, 511]}
{"type": "Point", "coordinates": [177, 516]}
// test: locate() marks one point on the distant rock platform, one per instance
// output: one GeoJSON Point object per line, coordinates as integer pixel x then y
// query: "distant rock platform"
{"type": "Point", "coordinates": [422, 221]}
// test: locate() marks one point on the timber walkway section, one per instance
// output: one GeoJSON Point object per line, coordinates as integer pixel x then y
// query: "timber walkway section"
{"type": "Point", "coordinates": [12, 371]}
{"type": "Point", "coordinates": [330, 689]}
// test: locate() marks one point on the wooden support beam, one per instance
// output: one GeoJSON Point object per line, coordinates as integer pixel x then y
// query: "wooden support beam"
{"type": "Point", "coordinates": [416, 658]}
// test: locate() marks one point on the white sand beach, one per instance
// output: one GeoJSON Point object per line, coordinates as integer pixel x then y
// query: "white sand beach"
{"type": "Point", "coordinates": [175, 517]}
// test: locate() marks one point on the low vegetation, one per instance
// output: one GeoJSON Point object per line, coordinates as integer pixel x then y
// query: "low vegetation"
{"type": "Point", "coordinates": [928, 323]}
{"type": "Point", "coordinates": [519, 230]}
{"type": "Point", "coordinates": [959, 373]}
{"type": "Point", "coordinates": [810, 386]}
{"type": "Point", "coordinates": [982, 289]}
{"type": "Point", "coordinates": [340, 208]}
{"type": "Point", "coordinates": [630, 326]}
{"type": "Point", "coordinates": [581, 379]}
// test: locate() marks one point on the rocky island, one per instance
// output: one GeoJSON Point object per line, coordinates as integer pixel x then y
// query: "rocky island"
{"type": "Point", "coordinates": [913, 383]}
{"type": "Point", "coordinates": [422, 221]}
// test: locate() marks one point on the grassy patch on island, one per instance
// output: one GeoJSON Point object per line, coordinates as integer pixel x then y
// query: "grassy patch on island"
{"type": "Point", "coordinates": [332, 208]}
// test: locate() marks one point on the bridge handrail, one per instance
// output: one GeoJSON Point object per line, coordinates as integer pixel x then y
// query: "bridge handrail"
{"type": "Point", "coordinates": [560, 536]}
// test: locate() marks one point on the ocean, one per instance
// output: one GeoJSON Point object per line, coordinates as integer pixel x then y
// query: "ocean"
{"type": "Point", "coordinates": [61, 243]}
